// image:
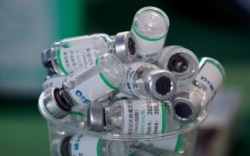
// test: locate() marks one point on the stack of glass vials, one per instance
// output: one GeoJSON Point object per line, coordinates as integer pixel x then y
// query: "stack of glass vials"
{"type": "Point", "coordinates": [126, 94]}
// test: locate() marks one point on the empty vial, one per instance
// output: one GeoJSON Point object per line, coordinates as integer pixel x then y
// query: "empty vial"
{"type": "Point", "coordinates": [83, 87]}
{"type": "Point", "coordinates": [67, 55]}
{"type": "Point", "coordinates": [150, 27]}
{"type": "Point", "coordinates": [81, 145]}
{"type": "Point", "coordinates": [148, 80]}
{"type": "Point", "coordinates": [131, 116]}
{"type": "Point", "coordinates": [179, 60]}
{"type": "Point", "coordinates": [191, 98]}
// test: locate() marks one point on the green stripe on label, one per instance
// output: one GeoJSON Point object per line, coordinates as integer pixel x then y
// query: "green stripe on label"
{"type": "Point", "coordinates": [146, 38]}
{"type": "Point", "coordinates": [76, 113]}
{"type": "Point", "coordinates": [178, 143]}
{"type": "Point", "coordinates": [60, 61]}
{"type": "Point", "coordinates": [163, 112]}
{"type": "Point", "coordinates": [98, 147]}
{"type": "Point", "coordinates": [218, 66]}
{"type": "Point", "coordinates": [104, 79]}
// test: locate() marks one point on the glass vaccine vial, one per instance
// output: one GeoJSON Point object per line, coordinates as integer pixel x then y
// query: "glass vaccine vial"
{"type": "Point", "coordinates": [148, 80]}
{"type": "Point", "coordinates": [131, 116]}
{"type": "Point", "coordinates": [80, 87]}
{"type": "Point", "coordinates": [69, 54]}
{"type": "Point", "coordinates": [150, 27]}
{"type": "Point", "coordinates": [190, 99]}
{"type": "Point", "coordinates": [80, 144]}
{"type": "Point", "coordinates": [179, 60]}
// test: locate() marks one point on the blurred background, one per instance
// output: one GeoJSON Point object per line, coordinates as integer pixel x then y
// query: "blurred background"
{"type": "Point", "coordinates": [218, 29]}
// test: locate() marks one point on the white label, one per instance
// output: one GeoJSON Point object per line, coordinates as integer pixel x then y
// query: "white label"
{"type": "Point", "coordinates": [72, 58]}
{"type": "Point", "coordinates": [85, 146]}
{"type": "Point", "coordinates": [90, 90]}
{"type": "Point", "coordinates": [148, 49]}
{"type": "Point", "coordinates": [210, 76]}
{"type": "Point", "coordinates": [55, 81]}
{"type": "Point", "coordinates": [144, 118]}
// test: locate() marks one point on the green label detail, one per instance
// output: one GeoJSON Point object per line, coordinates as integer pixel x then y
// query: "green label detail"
{"type": "Point", "coordinates": [59, 59]}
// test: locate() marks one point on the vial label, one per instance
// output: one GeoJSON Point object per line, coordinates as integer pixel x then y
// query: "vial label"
{"type": "Point", "coordinates": [55, 81]}
{"type": "Point", "coordinates": [129, 86]}
{"type": "Point", "coordinates": [72, 58]}
{"type": "Point", "coordinates": [85, 145]}
{"type": "Point", "coordinates": [148, 48]}
{"type": "Point", "coordinates": [91, 89]}
{"type": "Point", "coordinates": [148, 118]}
{"type": "Point", "coordinates": [210, 75]}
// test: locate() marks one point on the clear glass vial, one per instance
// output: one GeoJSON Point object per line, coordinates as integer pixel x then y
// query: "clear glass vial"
{"type": "Point", "coordinates": [179, 60]}
{"type": "Point", "coordinates": [80, 87]}
{"type": "Point", "coordinates": [150, 27]}
{"type": "Point", "coordinates": [190, 99]}
{"type": "Point", "coordinates": [131, 116]}
{"type": "Point", "coordinates": [88, 145]}
{"type": "Point", "coordinates": [69, 54]}
{"type": "Point", "coordinates": [148, 80]}
{"type": "Point", "coordinates": [53, 80]}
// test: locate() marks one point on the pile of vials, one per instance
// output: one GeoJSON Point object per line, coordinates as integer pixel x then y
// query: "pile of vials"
{"type": "Point", "coordinates": [126, 84]}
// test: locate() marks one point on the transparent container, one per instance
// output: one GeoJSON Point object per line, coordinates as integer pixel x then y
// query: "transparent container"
{"type": "Point", "coordinates": [64, 142]}
{"type": "Point", "coordinates": [66, 123]}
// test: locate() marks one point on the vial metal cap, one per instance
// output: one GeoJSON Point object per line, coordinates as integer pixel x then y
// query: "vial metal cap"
{"type": "Point", "coordinates": [125, 47]}
{"type": "Point", "coordinates": [53, 106]}
{"type": "Point", "coordinates": [182, 62]}
{"type": "Point", "coordinates": [60, 146]}
{"type": "Point", "coordinates": [160, 84]}
{"type": "Point", "coordinates": [187, 107]}
{"type": "Point", "coordinates": [46, 57]}
{"type": "Point", "coordinates": [95, 116]}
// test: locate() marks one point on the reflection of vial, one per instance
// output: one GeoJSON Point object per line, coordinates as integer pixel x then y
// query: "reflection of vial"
{"type": "Point", "coordinates": [182, 62]}
{"type": "Point", "coordinates": [148, 80]}
{"type": "Point", "coordinates": [150, 27]}
{"type": "Point", "coordinates": [67, 55]}
{"type": "Point", "coordinates": [190, 99]}
{"type": "Point", "coordinates": [83, 87]}
{"type": "Point", "coordinates": [81, 145]}
{"type": "Point", "coordinates": [131, 116]}
{"type": "Point", "coordinates": [176, 145]}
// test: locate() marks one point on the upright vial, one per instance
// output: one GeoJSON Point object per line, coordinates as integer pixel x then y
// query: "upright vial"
{"type": "Point", "coordinates": [88, 145]}
{"type": "Point", "coordinates": [181, 61]}
{"type": "Point", "coordinates": [148, 80]}
{"type": "Point", "coordinates": [190, 99]}
{"type": "Point", "coordinates": [150, 27]}
{"type": "Point", "coordinates": [67, 55]}
{"type": "Point", "coordinates": [83, 87]}
{"type": "Point", "coordinates": [131, 116]}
